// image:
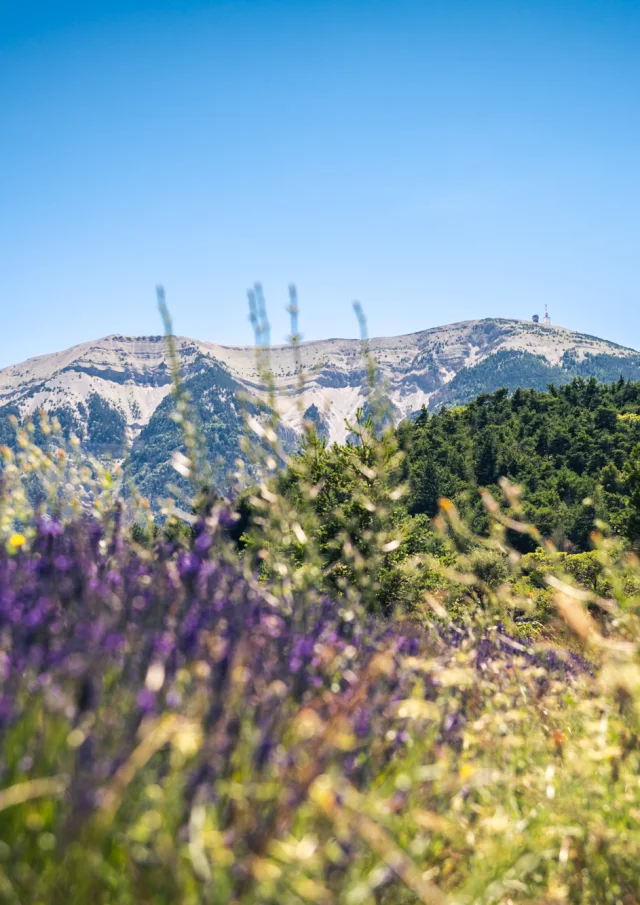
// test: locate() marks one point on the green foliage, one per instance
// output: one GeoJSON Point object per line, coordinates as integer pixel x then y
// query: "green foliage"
{"type": "Point", "coordinates": [7, 427]}
{"type": "Point", "coordinates": [218, 418]}
{"type": "Point", "coordinates": [353, 513]}
{"type": "Point", "coordinates": [632, 477]}
{"type": "Point", "coordinates": [106, 425]}
{"type": "Point", "coordinates": [516, 369]}
{"type": "Point", "coordinates": [490, 566]}
{"type": "Point", "coordinates": [568, 448]}
{"type": "Point", "coordinates": [506, 368]}
{"type": "Point", "coordinates": [100, 426]}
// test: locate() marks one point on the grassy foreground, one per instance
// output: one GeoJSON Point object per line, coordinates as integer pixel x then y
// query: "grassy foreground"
{"type": "Point", "coordinates": [178, 726]}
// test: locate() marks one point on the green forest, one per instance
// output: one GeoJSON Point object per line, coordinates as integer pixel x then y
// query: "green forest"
{"type": "Point", "coordinates": [572, 452]}
{"type": "Point", "coordinates": [573, 449]}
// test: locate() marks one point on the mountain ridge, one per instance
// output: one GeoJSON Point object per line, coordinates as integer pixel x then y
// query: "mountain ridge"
{"type": "Point", "coordinates": [114, 393]}
{"type": "Point", "coordinates": [133, 373]}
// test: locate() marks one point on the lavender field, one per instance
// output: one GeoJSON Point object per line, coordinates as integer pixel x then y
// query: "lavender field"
{"type": "Point", "coordinates": [179, 726]}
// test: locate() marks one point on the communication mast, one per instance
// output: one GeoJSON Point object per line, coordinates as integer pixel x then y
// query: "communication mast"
{"type": "Point", "coordinates": [547, 319]}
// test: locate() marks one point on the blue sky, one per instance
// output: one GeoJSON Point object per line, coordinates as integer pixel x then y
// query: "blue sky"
{"type": "Point", "coordinates": [437, 160]}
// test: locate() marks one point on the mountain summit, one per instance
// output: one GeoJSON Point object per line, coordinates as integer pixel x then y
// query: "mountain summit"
{"type": "Point", "coordinates": [113, 392]}
{"type": "Point", "coordinates": [441, 365]}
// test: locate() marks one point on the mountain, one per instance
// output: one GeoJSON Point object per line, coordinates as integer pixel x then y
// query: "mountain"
{"type": "Point", "coordinates": [114, 393]}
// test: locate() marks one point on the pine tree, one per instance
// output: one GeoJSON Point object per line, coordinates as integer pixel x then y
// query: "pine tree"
{"type": "Point", "coordinates": [633, 484]}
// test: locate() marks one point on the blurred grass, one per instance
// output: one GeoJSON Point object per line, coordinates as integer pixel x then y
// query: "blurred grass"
{"type": "Point", "coordinates": [186, 722]}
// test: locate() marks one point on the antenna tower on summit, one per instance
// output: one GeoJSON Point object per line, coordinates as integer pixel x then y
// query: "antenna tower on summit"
{"type": "Point", "coordinates": [547, 319]}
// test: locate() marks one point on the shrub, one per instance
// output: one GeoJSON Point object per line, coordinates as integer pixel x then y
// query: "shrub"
{"type": "Point", "coordinates": [490, 567]}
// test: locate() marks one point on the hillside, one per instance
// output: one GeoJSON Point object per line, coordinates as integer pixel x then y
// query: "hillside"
{"type": "Point", "coordinates": [111, 393]}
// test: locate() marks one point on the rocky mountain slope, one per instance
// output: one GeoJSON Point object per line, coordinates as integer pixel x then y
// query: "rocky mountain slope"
{"type": "Point", "coordinates": [110, 392]}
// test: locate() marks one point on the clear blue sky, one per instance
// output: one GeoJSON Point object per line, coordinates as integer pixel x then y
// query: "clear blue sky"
{"type": "Point", "coordinates": [437, 160]}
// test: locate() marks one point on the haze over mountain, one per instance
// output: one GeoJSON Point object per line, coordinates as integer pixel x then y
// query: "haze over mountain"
{"type": "Point", "coordinates": [115, 392]}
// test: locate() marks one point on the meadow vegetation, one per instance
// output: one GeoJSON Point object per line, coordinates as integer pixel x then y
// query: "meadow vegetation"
{"type": "Point", "coordinates": [367, 679]}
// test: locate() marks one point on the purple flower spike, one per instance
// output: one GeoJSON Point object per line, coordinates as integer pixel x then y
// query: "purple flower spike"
{"type": "Point", "coordinates": [146, 700]}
